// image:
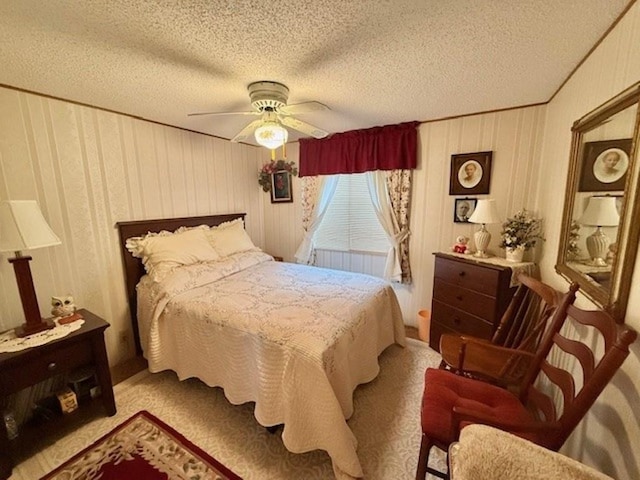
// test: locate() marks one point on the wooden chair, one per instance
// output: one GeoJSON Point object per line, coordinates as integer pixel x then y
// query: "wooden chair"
{"type": "Point", "coordinates": [505, 359]}
{"type": "Point", "coordinates": [452, 401]}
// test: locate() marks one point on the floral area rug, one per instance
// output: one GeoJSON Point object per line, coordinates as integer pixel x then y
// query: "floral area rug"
{"type": "Point", "coordinates": [143, 447]}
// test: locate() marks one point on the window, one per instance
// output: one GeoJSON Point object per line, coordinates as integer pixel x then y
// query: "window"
{"type": "Point", "coordinates": [350, 223]}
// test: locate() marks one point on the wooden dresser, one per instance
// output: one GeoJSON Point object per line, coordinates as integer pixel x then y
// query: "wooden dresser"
{"type": "Point", "coordinates": [469, 297]}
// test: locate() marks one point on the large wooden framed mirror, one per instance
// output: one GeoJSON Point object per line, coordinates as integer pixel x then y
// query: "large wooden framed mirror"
{"type": "Point", "coordinates": [601, 220]}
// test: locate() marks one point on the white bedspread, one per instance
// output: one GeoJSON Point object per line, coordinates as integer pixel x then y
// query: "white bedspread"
{"type": "Point", "coordinates": [296, 340]}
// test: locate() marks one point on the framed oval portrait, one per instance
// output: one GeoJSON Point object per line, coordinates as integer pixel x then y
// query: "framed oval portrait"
{"type": "Point", "coordinates": [610, 165]}
{"type": "Point", "coordinates": [604, 165]}
{"type": "Point", "coordinates": [470, 173]}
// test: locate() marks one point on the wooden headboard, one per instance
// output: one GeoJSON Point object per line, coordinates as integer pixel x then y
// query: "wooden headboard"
{"type": "Point", "coordinates": [133, 268]}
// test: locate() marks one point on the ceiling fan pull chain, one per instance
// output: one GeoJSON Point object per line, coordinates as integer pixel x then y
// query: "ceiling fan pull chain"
{"type": "Point", "coordinates": [273, 154]}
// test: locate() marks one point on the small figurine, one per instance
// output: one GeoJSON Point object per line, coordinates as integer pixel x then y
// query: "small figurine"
{"type": "Point", "coordinates": [64, 309]}
{"type": "Point", "coordinates": [461, 245]}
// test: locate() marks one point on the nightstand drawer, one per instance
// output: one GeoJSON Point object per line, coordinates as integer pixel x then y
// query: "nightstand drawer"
{"type": "Point", "coordinates": [46, 365]}
{"type": "Point", "coordinates": [459, 321]}
{"type": "Point", "coordinates": [478, 304]}
{"type": "Point", "coordinates": [473, 277]}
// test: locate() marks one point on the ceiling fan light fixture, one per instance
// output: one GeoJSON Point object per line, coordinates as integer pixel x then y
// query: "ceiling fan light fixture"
{"type": "Point", "coordinates": [271, 135]}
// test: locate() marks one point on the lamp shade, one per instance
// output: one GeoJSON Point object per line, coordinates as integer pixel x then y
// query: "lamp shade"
{"type": "Point", "coordinates": [271, 135]}
{"type": "Point", "coordinates": [22, 227]}
{"type": "Point", "coordinates": [600, 212]}
{"type": "Point", "coordinates": [485, 212]}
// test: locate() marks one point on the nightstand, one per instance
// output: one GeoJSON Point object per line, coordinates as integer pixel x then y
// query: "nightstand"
{"type": "Point", "coordinates": [83, 348]}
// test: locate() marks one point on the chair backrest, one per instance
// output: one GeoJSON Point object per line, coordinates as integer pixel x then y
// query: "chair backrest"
{"type": "Point", "coordinates": [526, 319]}
{"type": "Point", "coordinates": [537, 313]}
{"type": "Point", "coordinates": [598, 365]}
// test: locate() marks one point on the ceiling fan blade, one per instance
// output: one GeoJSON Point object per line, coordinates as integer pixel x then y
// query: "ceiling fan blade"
{"type": "Point", "coordinates": [304, 107]}
{"type": "Point", "coordinates": [252, 112]}
{"type": "Point", "coordinates": [247, 131]}
{"type": "Point", "coordinates": [303, 127]}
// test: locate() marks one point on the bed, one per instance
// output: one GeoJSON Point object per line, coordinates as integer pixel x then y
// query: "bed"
{"type": "Point", "coordinates": [294, 339]}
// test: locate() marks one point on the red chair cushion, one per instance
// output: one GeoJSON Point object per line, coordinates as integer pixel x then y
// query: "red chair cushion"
{"type": "Point", "coordinates": [444, 390]}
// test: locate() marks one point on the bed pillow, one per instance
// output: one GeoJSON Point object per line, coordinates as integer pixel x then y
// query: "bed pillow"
{"type": "Point", "coordinates": [230, 237]}
{"type": "Point", "coordinates": [165, 251]}
{"type": "Point", "coordinates": [136, 244]}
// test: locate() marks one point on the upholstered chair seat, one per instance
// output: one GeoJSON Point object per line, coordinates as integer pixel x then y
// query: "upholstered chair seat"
{"type": "Point", "coordinates": [454, 391]}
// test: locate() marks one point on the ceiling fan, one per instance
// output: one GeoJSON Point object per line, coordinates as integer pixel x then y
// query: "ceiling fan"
{"type": "Point", "coordinates": [269, 101]}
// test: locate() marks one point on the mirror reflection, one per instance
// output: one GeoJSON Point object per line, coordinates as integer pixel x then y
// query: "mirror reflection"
{"type": "Point", "coordinates": [603, 165]}
{"type": "Point", "coordinates": [601, 175]}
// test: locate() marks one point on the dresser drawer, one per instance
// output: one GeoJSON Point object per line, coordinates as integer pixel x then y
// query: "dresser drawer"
{"type": "Point", "coordinates": [472, 277]}
{"type": "Point", "coordinates": [46, 365]}
{"type": "Point", "coordinates": [478, 304]}
{"type": "Point", "coordinates": [459, 321]}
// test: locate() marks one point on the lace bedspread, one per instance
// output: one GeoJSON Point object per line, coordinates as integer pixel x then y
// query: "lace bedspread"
{"type": "Point", "coordinates": [296, 340]}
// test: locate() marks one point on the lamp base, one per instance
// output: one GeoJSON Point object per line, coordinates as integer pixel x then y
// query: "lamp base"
{"type": "Point", "coordinates": [597, 244]}
{"type": "Point", "coordinates": [482, 238]}
{"type": "Point", "coordinates": [35, 323]}
{"type": "Point", "coordinates": [27, 329]}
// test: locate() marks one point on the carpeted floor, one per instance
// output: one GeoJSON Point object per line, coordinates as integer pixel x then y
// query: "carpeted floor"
{"type": "Point", "coordinates": [386, 423]}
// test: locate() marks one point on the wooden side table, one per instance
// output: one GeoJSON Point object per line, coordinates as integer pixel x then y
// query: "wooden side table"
{"type": "Point", "coordinates": [83, 348]}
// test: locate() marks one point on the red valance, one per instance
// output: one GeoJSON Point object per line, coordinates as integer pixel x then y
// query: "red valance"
{"type": "Point", "coordinates": [391, 147]}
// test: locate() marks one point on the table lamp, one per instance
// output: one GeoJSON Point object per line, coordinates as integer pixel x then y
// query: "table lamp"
{"type": "Point", "coordinates": [600, 212]}
{"type": "Point", "coordinates": [22, 227]}
{"type": "Point", "coordinates": [485, 212]}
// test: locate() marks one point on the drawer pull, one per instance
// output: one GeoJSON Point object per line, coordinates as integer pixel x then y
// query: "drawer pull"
{"type": "Point", "coordinates": [52, 366]}
{"type": "Point", "coordinates": [459, 298]}
{"type": "Point", "coordinates": [456, 320]}
{"type": "Point", "coordinates": [462, 273]}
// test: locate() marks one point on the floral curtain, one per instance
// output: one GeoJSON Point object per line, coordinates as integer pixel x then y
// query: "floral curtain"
{"type": "Point", "coordinates": [399, 190]}
{"type": "Point", "coordinates": [376, 181]}
{"type": "Point", "coordinates": [317, 193]}
{"type": "Point", "coordinates": [309, 194]}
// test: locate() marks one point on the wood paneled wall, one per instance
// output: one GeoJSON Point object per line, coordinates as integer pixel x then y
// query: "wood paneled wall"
{"type": "Point", "coordinates": [89, 169]}
{"type": "Point", "coordinates": [608, 436]}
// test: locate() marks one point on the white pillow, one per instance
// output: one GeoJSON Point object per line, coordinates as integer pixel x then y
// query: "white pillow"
{"type": "Point", "coordinates": [163, 252]}
{"type": "Point", "coordinates": [136, 244]}
{"type": "Point", "coordinates": [230, 237]}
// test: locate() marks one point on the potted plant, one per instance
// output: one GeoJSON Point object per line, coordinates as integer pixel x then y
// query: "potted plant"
{"type": "Point", "coordinates": [519, 234]}
{"type": "Point", "coordinates": [573, 251]}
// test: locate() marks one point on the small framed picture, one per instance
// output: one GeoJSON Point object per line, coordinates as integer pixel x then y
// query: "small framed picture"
{"type": "Point", "coordinates": [470, 173]}
{"type": "Point", "coordinates": [281, 189]}
{"type": "Point", "coordinates": [463, 209]}
{"type": "Point", "coordinates": [604, 165]}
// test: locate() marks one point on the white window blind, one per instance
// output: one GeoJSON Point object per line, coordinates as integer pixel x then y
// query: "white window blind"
{"type": "Point", "coordinates": [350, 223]}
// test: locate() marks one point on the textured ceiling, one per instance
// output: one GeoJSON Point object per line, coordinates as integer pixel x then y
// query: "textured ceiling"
{"type": "Point", "coordinates": [372, 62]}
